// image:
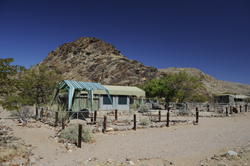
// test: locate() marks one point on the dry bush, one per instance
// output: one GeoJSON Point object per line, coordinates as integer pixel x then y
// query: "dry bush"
{"type": "Point", "coordinates": [145, 121]}
{"type": "Point", "coordinates": [14, 113]}
{"type": "Point", "coordinates": [183, 112]}
{"type": "Point", "coordinates": [25, 114]}
{"type": "Point", "coordinates": [143, 108]}
{"type": "Point", "coordinates": [71, 134]}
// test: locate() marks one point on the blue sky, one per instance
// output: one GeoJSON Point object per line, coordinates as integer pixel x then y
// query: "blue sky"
{"type": "Point", "coordinates": [210, 35]}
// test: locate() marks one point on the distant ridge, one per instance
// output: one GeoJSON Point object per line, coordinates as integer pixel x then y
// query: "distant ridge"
{"type": "Point", "coordinates": [91, 59]}
{"type": "Point", "coordinates": [212, 85]}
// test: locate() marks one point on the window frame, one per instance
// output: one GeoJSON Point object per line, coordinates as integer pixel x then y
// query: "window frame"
{"type": "Point", "coordinates": [120, 102]}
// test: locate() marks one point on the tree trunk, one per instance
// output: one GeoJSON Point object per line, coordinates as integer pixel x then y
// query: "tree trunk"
{"type": "Point", "coordinates": [167, 103]}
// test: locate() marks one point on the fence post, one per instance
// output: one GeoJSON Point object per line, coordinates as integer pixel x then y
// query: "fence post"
{"type": "Point", "coordinates": [56, 118]}
{"type": "Point", "coordinates": [226, 111]}
{"type": "Point", "coordinates": [104, 124]}
{"type": "Point", "coordinates": [63, 123]}
{"type": "Point", "coordinates": [116, 115]}
{"type": "Point", "coordinates": [95, 113]}
{"type": "Point", "coordinates": [79, 145]}
{"type": "Point", "coordinates": [91, 119]}
{"type": "Point", "coordinates": [135, 122]}
{"type": "Point", "coordinates": [240, 108]}
{"type": "Point", "coordinates": [159, 116]}
{"type": "Point", "coordinates": [231, 110]}
{"type": "Point", "coordinates": [168, 118]}
{"type": "Point", "coordinates": [246, 108]}
{"type": "Point", "coordinates": [197, 115]}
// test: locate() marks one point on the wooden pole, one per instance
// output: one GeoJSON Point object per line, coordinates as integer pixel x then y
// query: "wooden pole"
{"type": "Point", "coordinates": [116, 115]}
{"type": "Point", "coordinates": [226, 111]}
{"type": "Point", "coordinates": [63, 123]}
{"type": "Point", "coordinates": [168, 118]}
{"type": "Point", "coordinates": [104, 124]}
{"type": "Point", "coordinates": [246, 108]}
{"type": "Point", "coordinates": [240, 108]}
{"type": "Point", "coordinates": [197, 115]}
{"type": "Point", "coordinates": [159, 116]}
{"type": "Point", "coordinates": [135, 122]}
{"type": "Point", "coordinates": [95, 113]}
{"type": "Point", "coordinates": [80, 136]}
{"type": "Point", "coordinates": [56, 118]}
{"type": "Point", "coordinates": [91, 119]}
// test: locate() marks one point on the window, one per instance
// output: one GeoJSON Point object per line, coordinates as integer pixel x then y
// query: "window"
{"type": "Point", "coordinates": [106, 100]}
{"type": "Point", "coordinates": [122, 100]}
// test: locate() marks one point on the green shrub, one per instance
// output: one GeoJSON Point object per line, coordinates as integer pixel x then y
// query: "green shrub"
{"type": "Point", "coordinates": [145, 121]}
{"type": "Point", "coordinates": [71, 134]}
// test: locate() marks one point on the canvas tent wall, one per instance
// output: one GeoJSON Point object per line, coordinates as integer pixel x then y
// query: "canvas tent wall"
{"type": "Point", "coordinates": [82, 101]}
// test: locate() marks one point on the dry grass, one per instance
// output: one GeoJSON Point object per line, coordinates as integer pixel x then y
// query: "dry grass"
{"type": "Point", "coordinates": [11, 147]}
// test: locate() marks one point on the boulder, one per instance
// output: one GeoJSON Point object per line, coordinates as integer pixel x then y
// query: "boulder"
{"type": "Point", "coordinates": [232, 153]}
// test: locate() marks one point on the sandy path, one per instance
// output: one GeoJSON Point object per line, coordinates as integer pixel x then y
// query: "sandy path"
{"type": "Point", "coordinates": [185, 144]}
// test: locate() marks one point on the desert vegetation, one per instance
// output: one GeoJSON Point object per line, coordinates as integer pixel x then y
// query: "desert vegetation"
{"type": "Point", "coordinates": [178, 87]}
{"type": "Point", "coordinates": [71, 134]}
{"type": "Point", "coordinates": [20, 87]}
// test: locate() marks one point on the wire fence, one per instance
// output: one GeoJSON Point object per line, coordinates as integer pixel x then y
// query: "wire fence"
{"type": "Point", "coordinates": [178, 111]}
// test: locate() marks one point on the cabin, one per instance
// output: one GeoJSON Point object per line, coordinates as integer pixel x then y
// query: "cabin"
{"type": "Point", "coordinates": [230, 98]}
{"type": "Point", "coordinates": [118, 97]}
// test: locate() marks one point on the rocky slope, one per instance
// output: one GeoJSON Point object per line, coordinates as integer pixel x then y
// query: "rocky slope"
{"type": "Point", "coordinates": [212, 85]}
{"type": "Point", "coordinates": [91, 59]}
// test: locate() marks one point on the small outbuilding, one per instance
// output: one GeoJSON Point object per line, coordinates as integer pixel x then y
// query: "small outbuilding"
{"type": "Point", "coordinates": [229, 98]}
{"type": "Point", "coordinates": [105, 98]}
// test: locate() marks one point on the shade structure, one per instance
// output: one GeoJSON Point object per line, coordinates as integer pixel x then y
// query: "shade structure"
{"type": "Point", "coordinates": [76, 86]}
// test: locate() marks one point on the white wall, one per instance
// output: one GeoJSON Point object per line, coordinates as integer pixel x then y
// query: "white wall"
{"type": "Point", "coordinates": [115, 104]}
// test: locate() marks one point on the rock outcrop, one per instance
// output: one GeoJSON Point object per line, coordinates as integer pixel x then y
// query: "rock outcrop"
{"type": "Point", "coordinates": [91, 59]}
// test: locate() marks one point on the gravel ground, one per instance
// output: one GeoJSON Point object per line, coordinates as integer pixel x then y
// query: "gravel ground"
{"type": "Point", "coordinates": [178, 144]}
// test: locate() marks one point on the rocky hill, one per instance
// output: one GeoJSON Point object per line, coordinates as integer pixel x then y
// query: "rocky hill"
{"type": "Point", "coordinates": [91, 59]}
